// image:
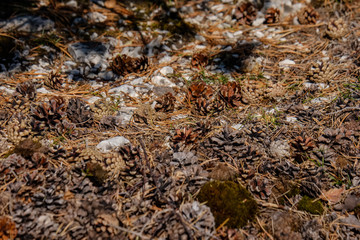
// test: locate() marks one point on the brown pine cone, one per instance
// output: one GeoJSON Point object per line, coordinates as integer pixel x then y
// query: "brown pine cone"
{"type": "Point", "coordinates": [245, 14]}
{"type": "Point", "coordinates": [165, 103]}
{"type": "Point", "coordinates": [321, 72]}
{"type": "Point", "coordinates": [272, 15]}
{"type": "Point", "coordinates": [199, 90]}
{"type": "Point", "coordinates": [199, 60]}
{"type": "Point", "coordinates": [186, 135]}
{"type": "Point", "coordinates": [252, 91]}
{"type": "Point", "coordinates": [231, 94]}
{"type": "Point", "coordinates": [337, 28]}
{"type": "Point", "coordinates": [27, 89]}
{"type": "Point", "coordinates": [123, 64]}
{"type": "Point", "coordinates": [54, 80]}
{"type": "Point", "coordinates": [308, 15]}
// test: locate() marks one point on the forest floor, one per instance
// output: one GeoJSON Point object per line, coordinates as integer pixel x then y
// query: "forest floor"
{"type": "Point", "coordinates": [179, 119]}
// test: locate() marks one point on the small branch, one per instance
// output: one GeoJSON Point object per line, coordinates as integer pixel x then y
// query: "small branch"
{"type": "Point", "coordinates": [347, 109]}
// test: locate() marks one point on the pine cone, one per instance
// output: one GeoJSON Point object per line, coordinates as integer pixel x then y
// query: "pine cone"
{"type": "Point", "coordinates": [17, 130]}
{"type": "Point", "coordinates": [322, 72]}
{"type": "Point", "coordinates": [50, 113]}
{"type": "Point", "coordinates": [272, 15]}
{"type": "Point", "coordinates": [54, 80]}
{"type": "Point", "coordinates": [79, 112]}
{"type": "Point", "coordinates": [252, 91]}
{"type": "Point", "coordinates": [132, 162]}
{"type": "Point", "coordinates": [337, 28]}
{"type": "Point", "coordinates": [308, 15]}
{"type": "Point", "coordinates": [260, 187]}
{"type": "Point", "coordinates": [185, 135]}
{"type": "Point", "coordinates": [102, 108]}
{"type": "Point", "coordinates": [204, 99]}
{"type": "Point", "coordinates": [16, 106]}
{"type": "Point", "coordinates": [199, 90]}
{"type": "Point", "coordinates": [245, 14]}
{"type": "Point", "coordinates": [199, 60]}
{"type": "Point", "coordinates": [231, 94]}
{"type": "Point", "coordinates": [165, 103]}
{"type": "Point", "coordinates": [200, 217]}
{"type": "Point", "coordinates": [301, 147]}
{"type": "Point", "coordinates": [123, 64]}
{"type": "Point", "coordinates": [27, 90]}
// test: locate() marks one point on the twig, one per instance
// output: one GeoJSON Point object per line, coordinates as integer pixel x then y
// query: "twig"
{"type": "Point", "coordinates": [262, 228]}
{"type": "Point", "coordinates": [347, 109]}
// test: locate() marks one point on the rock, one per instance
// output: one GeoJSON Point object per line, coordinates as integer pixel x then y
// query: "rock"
{"type": "Point", "coordinates": [72, 4]}
{"type": "Point", "coordinates": [128, 89]}
{"type": "Point", "coordinates": [93, 99]}
{"type": "Point", "coordinates": [167, 70]}
{"type": "Point", "coordinates": [42, 90]}
{"type": "Point", "coordinates": [162, 81]}
{"type": "Point", "coordinates": [258, 21]}
{"type": "Point", "coordinates": [286, 63]}
{"type": "Point", "coordinates": [112, 144]}
{"type": "Point", "coordinates": [124, 115]}
{"type": "Point", "coordinates": [7, 90]}
{"type": "Point", "coordinates": [259, 34]}
{"type": "Point", "coordinates": [291, 119]}
{"type": "Point", "coordinates": [87, 51]}
{"type": "Point", "coordinates": [237, 126]}
{"type": "Point", "coordinates": [132, 52]}
{"type": "Point", "coordinates": [95, 17]}
{"type": "Point", "coordinates": [28, 24]}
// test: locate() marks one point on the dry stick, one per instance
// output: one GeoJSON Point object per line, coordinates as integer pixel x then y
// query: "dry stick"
{"type": "Point", "coordinates": [262, 228]}
{"type": "Point", "coordinates": [347, 109]}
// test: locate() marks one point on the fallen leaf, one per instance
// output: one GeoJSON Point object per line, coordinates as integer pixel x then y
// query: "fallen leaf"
{"type": "Point", "coordinates": [333, 195]}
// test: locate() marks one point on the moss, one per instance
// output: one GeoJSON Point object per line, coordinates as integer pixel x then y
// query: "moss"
{"type": "Point", "coordinates": [289, 190]}
{"type": "Point", "coordinates": [229, 202]}
{"type": "Point", "coordinates": [96, 173]}
{"type": "Point", "coordinates": [309, 205]}
{"type": "Point", "coordinates": [27, 148]}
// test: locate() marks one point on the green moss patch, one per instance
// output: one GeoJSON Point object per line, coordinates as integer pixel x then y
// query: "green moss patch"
{"type": "Point", "coordinates": [229, 202]}
{"type": "Point", "coordinates": [308, 204]}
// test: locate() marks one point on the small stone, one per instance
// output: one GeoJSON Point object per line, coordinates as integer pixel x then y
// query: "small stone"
{"type": "Point", "coordinates": [86, 51]}
{"type": "Point", "coordinates": [128, 89]}
{"type": "Point", "coordinates": [42, 90]}
{"type": "Point", "coordinates": [27, 23]}
{"type": "Point", "coordinates": [72, 4]}
{"type": "Point", "coordinates": [237, 126]}
{"type": "Point", "coordinates": [259, 34]}
{"type": "Point", "coordinates": [96, 17]}
{"type": "Point", "coordinates": [258, 22]}
{"type": "Point", "coordinates": [286, 63]}
{"type": "Point", "coordinates": [162, 81]}
{"type": "Point", "coordinates": [112, 144]}
{"type": "Point", "coordinates": [167, 70]}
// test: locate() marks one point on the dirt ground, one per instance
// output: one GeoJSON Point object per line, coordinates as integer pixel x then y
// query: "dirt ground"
{"type": "Point", "coordinates": [179, 119]}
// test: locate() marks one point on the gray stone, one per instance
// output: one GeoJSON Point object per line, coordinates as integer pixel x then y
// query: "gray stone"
{"type": "Point", "coordinates": [27, 23]}
{"type": "Point", "coordinates": [162, 81]}
{"type": "Point", "coordinates": [112, 144]}
{"type": "Point", "coordinates": [127, 89]}
{"type": "Point", "coordinates": [72, 4]}
{"type": "Point", "coordinates": [124, 115]}
{"type": "Point", "coordinates": [167, 70]}
{"type": "Point", "coordinates": [87, 51]}
{"type": "Point", "coordinates": [95, 17]}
